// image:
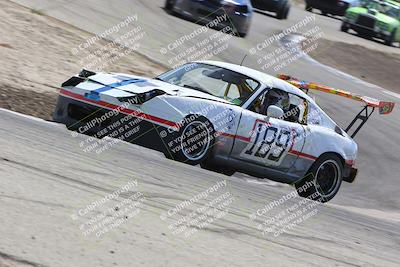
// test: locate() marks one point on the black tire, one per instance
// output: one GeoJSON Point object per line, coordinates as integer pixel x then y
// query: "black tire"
{"type": "Point", "coordinates": [390, 39]}
{"type": "Point", "coordinates": [209, 165]}
{"type": "Point", "coordinates": [169, 5]}
{"type": "Point", "coordinates": [283, 11]}
{"type": "Point", "coordinates": [286, 15]}
{"type": "Point", "coordinates": [242, 34]}
{"type": "Point", "coordinates": [193, 142]}
{"type": "Point", "coordinates": [323, 180]}
{"type": "Point", "coordinates": [344, 27]}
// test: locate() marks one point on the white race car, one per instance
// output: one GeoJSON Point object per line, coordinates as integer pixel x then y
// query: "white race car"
{"type": "Point", "coordinates": [225, 117]}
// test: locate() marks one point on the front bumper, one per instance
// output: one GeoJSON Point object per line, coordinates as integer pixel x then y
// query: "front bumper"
{"type": "Point", "coordinates": [89, 120]}
{"type": "Point", "coordinates": [376, 32]}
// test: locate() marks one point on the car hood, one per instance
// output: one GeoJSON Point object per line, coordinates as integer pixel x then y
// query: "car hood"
{"type": "Point", "coordinates": [379, 16]}
{"type": "Point", "coordinates": [122, 85]}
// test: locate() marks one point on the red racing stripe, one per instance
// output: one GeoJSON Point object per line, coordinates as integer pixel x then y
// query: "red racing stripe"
{"type": "Point", "coordinates": [124, 110]}
{"type": "Point", "coordinates": [246, 139]}
{"type": "Point", "coordinates": [302, 155]}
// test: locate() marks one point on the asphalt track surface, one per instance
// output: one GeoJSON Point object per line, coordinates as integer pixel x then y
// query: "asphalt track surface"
{"type": "Point", "coordinates": [46, 176]}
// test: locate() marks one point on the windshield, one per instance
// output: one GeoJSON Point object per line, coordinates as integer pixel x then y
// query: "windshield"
{"type": "Point", "coordinates": [385, 8]}
{"type": "Point", "coordinates": [213, 80]}
{"type": "Point", "coordinates": [391, 11]}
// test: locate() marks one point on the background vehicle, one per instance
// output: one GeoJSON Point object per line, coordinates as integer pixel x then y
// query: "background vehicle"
{"type": "Point", "coordinates": [375, 19]}
{"type": "Point", "coordinates": [223, 116]}
{"type": "Point", "coordinates": [240, 12]}
{"type": "Point", "coordinates": [280, 7]}
{"type": "Point", "coordinates": [333, 7]}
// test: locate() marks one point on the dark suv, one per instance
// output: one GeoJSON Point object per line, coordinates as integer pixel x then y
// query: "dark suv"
{"type": "Point", "coordinates": [280, 7]}
{"type": "Point", "coordinates": [333, 7]}
{"type": "Point", "coordinates": [240, 12]}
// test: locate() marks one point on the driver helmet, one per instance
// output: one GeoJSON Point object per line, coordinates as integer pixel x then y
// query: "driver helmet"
{"type": "Point", "coordinates": [278, 98]}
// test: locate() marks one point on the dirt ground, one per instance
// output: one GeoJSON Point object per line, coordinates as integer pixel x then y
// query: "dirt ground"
{"type": "Point", "coordinates": [37, 56]}
{"type": "Point", "coordinates": [372, 66]}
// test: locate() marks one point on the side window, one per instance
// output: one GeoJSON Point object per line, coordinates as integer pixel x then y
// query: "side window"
{"type": "Point", "coordinates": [293, 106]}
{"type": "Point", "coordinates": [314, 115]}
{"type": "Point", "coordinates": [233, 91]}
{"type": "Point", "coordinates": [256, 106]}
{"type": "Point", "coordinates": [252, 84]}
{"type": "Point", "coordinates": [297, 109]}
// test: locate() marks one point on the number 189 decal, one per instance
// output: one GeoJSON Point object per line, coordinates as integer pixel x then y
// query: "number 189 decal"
{"type": "Point", "coordinates": [269, 144]}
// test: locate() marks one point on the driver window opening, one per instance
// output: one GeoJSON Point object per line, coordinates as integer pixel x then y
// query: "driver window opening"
{"type": "Point", "coordinates": [294, 107]}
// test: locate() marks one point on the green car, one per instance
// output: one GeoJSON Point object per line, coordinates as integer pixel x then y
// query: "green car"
{"type": "Point", "coordinates": [373, 18]}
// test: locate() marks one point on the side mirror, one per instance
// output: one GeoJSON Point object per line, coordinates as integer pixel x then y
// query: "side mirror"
{"type": "Point", "coordinates": [274, 112]}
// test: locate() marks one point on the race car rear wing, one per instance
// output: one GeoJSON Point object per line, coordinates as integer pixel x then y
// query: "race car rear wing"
{"type": "Point", "coordinates": [369, 103]}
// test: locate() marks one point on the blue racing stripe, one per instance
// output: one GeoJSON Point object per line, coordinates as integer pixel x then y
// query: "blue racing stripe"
{"type": "Point", "coordinates": [95, 94]}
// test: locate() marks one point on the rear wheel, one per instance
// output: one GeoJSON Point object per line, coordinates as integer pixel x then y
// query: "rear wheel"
{"type": "Point", "coordinates": [169, 5]}
{"type": "Point", "coordinates": [193, 143]}
{"type": "Point", "coordinates": [390, 39]}
{"type": "Point", "coordinates": [285, 16]}
{"type": "Point", "coordinates": [323, 180]}
{"type": "Point", "coordinates": [242, 34]}
{"type": "Point", "coordinates": [283, 12]}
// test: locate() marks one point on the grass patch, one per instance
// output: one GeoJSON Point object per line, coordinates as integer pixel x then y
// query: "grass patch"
{"type": "Point", "coordinates": [37, 12]}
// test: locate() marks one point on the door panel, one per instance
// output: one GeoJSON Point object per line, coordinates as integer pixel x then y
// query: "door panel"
{"type": "Point", "coordinates": [267, 141]}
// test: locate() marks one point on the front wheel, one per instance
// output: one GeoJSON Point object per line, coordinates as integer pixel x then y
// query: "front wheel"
{"type": "Point", "coordinates": [209, 165]}
{"type": "Point", "coordinates": [286, 15]}
{"type": "Point", "coordinates": [193, 142]}
{"type": "Point", "coordinates": [323, 180]}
